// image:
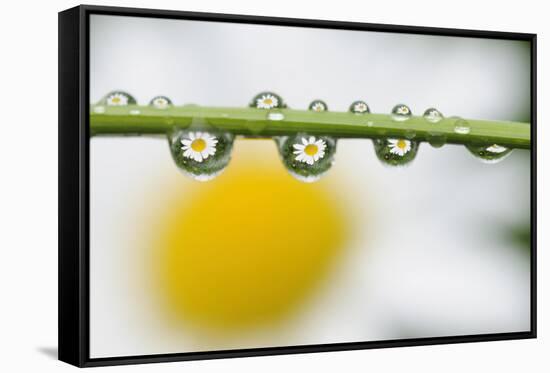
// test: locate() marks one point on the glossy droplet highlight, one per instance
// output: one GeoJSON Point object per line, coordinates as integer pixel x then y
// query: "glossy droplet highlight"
{"type": "Point", "coordinates": [203, 155]}
{"type": "Point", "coordinates": [436, 139]}
{"type": "Point", "coordinates": [118, 98]}
{"type": "Point", "coordinates": [318, 106]}
{"type": "Point", "coordinates": [489, 153]}
{"type": "Point", "coordinates": [307, 157]}
{"type": "Point", "coordinates": [160, 102]}
{"type": "Point", "coordinates": [275, 116]}
{"type": "Point", "coordinates": [395, 152]}
{"type": "Point", "coordinates": [432, 115]}
{"type": "Point", "coordinates": [461, 126]}
{"type": "Point", "coordinates": [359, 107]}
{"type": "Point", "coordinates": [401, 113]}
{"type": "Point", "coordinates": [267, 101]}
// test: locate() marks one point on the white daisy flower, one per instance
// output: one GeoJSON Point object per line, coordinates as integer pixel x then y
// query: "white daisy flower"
{"type": "Point", "coordinates": [160, 103]}
{"type": "Point", "coordinates": [199, 145]}
{"type": "Point", "coordinates": [399, 147]}
{"type": "Point", "coordinates": [318, 106]}
{"type": "Point", "coordinates": [402, 110]}
{"type": "Point", "coordinates": [496, 149]}
{"type": "Point", "coordinates": [310, 150]}
{"type": "Point", "coordinates": [360, 107]}
{"type": "Point", "coordinates": [117, 99]}
{"type": "Point", "coordinates": [267, 101]}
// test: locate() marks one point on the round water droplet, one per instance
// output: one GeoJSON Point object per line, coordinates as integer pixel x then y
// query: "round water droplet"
{"type": "Point", "coordinates": [401, 113]}
{"type": "Point", "coordinates": [200, 154]}
{"type": "Point", "coordinates": [118, 98]}
{"type": "Point", "coordinates": [318, 106]}
{"type": "Point", "coordinates": [307, 157]}
{"type": "Point", "coordinates": [160, 102]}
{"type": "Point", "coordinates": [461, 126]}
{"type": "Point", "coordinates": [436, 139]}
{"type": "Point", "coordinates": [395, 152]}
{"type": "Point", "coordinates": [433, 115]}
{"type": "Point", "coordinates": [274, 115]}
{"type": "Point", "coordinates": [359, 107]}
{"type": "Point", "coordinates": [267, 101]}
{"type": "Point", "coordinates": [489, 153]}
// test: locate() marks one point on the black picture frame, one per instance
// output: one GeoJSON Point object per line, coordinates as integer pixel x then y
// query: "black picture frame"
{"type": "Point", "coordinates": [74, 188]}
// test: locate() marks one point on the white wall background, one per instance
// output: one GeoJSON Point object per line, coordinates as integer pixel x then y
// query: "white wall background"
{"type": "Point", "coordinates": [28, 203]}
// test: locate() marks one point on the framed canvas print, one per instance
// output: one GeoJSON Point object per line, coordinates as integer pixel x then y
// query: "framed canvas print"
{"type": "Point", "coordinates": [238, 186]}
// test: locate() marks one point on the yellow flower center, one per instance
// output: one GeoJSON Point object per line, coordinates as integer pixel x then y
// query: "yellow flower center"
{"type": "Point", "coordinates": [401, 144]}
{"type": "Point", "coordinates": [311, 149]}
{"type": "Point", "coordinates": [115, 100]}
{"type": "Point", "coordinates": [268, 101]}
{"type": "Point", "coordinates": [198, 145]}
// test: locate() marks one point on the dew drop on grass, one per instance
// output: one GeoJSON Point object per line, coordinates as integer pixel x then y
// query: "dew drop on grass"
{"type": "Point", "coordinates": [118, 98]}
{"type": "Point", "coordinates": [359, 107]}
{"type": "Point", "coordinates": [318, 106]}
{"type": "Point", "coordinates": [401, 113]}
{"type": "Point", "coordinates": [307, 157]}
{"type": "Point", "coordinates": [489, 153]}
{"type": "Point", "coordinates": [461, 126]}
{"type": "Point", "coordinates": [160, 102]}
{"type": "Point", "coordinates": [436, 139]}
{"type": "Point", "coordinates": [202, 155]}
{"type": "Point", "coordinates": [395, 152]}
{"type": "Point", "coordinates": [432, 115]}
{"type": "Point", "coordinates": [267, 101]}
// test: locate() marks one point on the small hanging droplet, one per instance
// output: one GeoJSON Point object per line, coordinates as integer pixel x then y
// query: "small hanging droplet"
{"type": "Point", "coordinates": [118, 98]}
{"type": "Point", "coordinates": [200, 154]}
{"type": "Point", "coordinates": [395, 152]}
{"type": "Point", "coordinates": [433, 115]}
{"type": "Point", "coordinates": [401, 113]}
{"type": "Point", "coordinates": [461, 126]}
{"type": "Point", "coordinates": [160, 102]}
{"type": "Point", "coordinates": [436, 139]}
{"type": "Point", "coordinates": [267, 101]}
{"type": "Point", "coordinates": [489, 153]}
{"type": "Point", "coordinates": [318, 106]}
{"type": "Point", "coordinates": [359, 107]}
{"type": "Point", "coordinates": [307, 157]}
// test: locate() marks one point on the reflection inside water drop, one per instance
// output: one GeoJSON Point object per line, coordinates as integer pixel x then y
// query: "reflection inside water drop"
{"type": "Point", "coordinates": [432, 115]}
{"type": "Point", "coordinates": [401, 113]}
{"type": "Point", "coordinates": [395, 152]}
{"type": "Point", "coordinates": [489, 153]}
{"type": "Point", "coordinates": [202, 155]}
{"type": "Point", "coordinates": [461, 126]}
{"type": "Point", "coordinates": [307, 157]}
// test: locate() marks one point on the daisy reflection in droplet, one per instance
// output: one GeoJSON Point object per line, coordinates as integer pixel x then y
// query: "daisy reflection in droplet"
{"type": "Point", "coordinates": [399, 146]}
{"type": "Point", "coordinates": [199, 145]}
{"type": "Point", "coordinates": [310, 150]}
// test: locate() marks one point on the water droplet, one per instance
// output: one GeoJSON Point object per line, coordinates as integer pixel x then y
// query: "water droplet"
{"type": "Point", "coordinates": [118, 98]}
{"type": "Point", "coordinates": [461, 126]}
{"type": "Point", "coordinates": [203, 155]}
{"type": "Point", "coordinates": [433, 115]}
{"type": "Point", "coordinates": [275, 116]}
{"type": "Point", "coordinates": [359, 107]}
{"type": "Point", "coordinates": [318, 106]}
{"type": "Point", "coordinates": [99, 109]}
{"type": "Point", "coordinates": [267, 101]}
{"type": "Point", "coordinates": [436, 139]}
{"type": "Point", "coordinates": [401, 113]}
{"type": "Point", "coordinates": [489, 153]}
{"type": "Point", "coordinates": [160, 102]}
{"type": "Point", "coordinates": [307, 157]}
{"type": "Point", "coordinates": [395, 152]}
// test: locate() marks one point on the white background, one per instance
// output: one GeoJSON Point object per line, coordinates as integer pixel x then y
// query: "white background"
{"type": "Point", "coordinates": [28, 197]}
